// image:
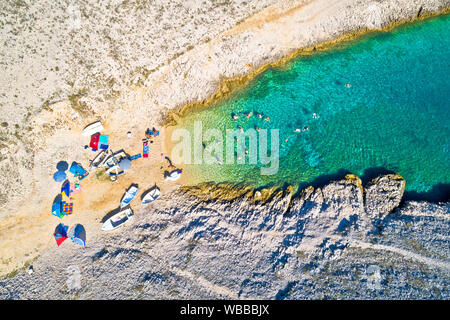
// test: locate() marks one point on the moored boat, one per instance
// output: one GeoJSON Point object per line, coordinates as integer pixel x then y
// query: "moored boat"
{"type": "Point", "coordinates": [93, 128]}
{"type": "Point", "coordinates": [151, 195]}
{"type": "Point", "coordinates": [129, 196]}
{"type": "Point", "coordinates": [117, 220]}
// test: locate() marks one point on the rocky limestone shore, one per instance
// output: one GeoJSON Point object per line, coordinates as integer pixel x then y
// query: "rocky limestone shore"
{"type": "Point", "coordinates": [129, 64]}
{"type": "Point", "coordinates": [341, 241]}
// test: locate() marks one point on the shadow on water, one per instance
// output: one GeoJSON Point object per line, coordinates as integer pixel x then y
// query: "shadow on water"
{"type": "Point", "coordinates": [439, 193]}
{"type": "Point", "coordinates": [322, 181]}
{"type": "Point", "coordinates": [372, 173]}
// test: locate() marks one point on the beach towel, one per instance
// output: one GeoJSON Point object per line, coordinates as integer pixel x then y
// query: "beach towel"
{"type": "Point", "coordinates": [75, 188]}
{"type": "Point", "coordinates": [68, 208]}
{"type": "Point", "coordinates": [94, 141]}
{"type": "Point", "coordinates": [103, 141]}
{"type": "Point", "coordinates": [145, 147]}
{"type": "Point", "coordinates": [136, 156]}
{"type": "Point", "coordinates": [78, 171]}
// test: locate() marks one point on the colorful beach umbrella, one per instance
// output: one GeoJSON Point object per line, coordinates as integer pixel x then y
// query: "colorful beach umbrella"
{"type": "Point", "coordinates": [57, 207]}
{"type": "Point", "coordinates": [62, 166]}
{"type": "Point", "coordinates": [125, 164]}
{"type": "Point", "coordinates": [59, 176]}
{"type": "Point", "coordinates": [60, 233]}
{"type": "Point", "coordinates": [65, 189]}
{"type": "Point", "coordinates": [78, 234]}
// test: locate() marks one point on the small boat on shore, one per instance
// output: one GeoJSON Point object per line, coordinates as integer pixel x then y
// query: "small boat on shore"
{"type": "Point", "coordinates": [174, 175]}
{"type": "Point", "coordinates": [151, 195]}
{"type": "Point", "coordinates": [114, 159]}
{"type": "Point", "coordinates": [98, 160]}
{"type": "Point", "coordinates": [93, 128]}
{"type": "Point", "coordinates": [128, 196]}
{"type": "Point", "coordinates": [118, 220]}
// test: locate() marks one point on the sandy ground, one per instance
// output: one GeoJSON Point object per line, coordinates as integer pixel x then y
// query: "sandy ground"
{"type": "Point", "coordinates": [193, 75]}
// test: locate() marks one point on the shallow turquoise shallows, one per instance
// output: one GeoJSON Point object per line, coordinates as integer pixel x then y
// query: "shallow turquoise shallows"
{"type": "Point", "coordinates": [393, 115]}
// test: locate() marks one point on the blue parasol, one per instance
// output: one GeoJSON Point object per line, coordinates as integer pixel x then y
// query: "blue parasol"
{"type": "Point", "coordinates": [59, 176]}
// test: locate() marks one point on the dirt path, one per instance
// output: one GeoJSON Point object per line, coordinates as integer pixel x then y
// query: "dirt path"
{"type": "Point", "coordinates": [435, 263]}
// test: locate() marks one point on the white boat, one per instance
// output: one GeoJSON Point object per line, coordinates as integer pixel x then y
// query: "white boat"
{"type": "Point", "coordinates": [93, 128]}
{"type": "Point", "coordinates": [151, 195]}
{"type": "Point", "coordinates": [114, 159]}
{"type": "Point", "coordinates": [98, 160]}
{"type": "Point", "coordinates": [128, 196]}
{"type": "Point", "coordinates": [118, 220]}
{"type": "Point", "coordinates": [174, 175]}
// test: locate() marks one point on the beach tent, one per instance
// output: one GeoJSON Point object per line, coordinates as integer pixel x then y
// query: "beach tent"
{"type": "Point", "coordinates": [94, 141]}
{"type": "Point", "coordinates": [57, 207]}
{"type": "Point", "coordinates": [77, 234]}
{"type": "Point", "coordinates": [59, 176]}
{"type": "Point", "coordinates": [65, 189]}
{"type": "Point", "coordinates": [62, 166]}
{"type": "Point", "coordinates": [60, 233]}
{"type": "Point", "coordinates": [78, 171]}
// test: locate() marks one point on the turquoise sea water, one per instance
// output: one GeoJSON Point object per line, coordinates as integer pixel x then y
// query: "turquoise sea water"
{"type": "Point", "coordinates": [395, 115]}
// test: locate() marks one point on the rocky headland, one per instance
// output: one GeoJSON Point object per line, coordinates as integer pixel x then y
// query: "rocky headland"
{"type": "Point", "coordinates": [340, 241]}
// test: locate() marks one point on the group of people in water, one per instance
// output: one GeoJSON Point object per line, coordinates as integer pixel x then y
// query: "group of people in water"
{"type": "Point", "coordinates": [248, 115]}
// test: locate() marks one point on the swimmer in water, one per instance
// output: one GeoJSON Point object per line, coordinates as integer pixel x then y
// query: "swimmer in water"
{"type": "Point", "coordinates": [258, 129]}
{"type": "Point", "coordinates": [347, 85]}
{"type": "Point", "coordinates": [297, 130]}
{"type": "Point", "coordinates": [246, 151]}
{"type": "Point", "coordinates": [241, 129]}
{"type": "Point", "coordinates": [314, 115]}
{"type": "Point", "coordinates": [267, 119]}
{"type": "Point", "coordinates": [306, 128]}
{"type": "Point", "coordinates": [248, 115]}
{"type": "Point", "coordinates": [260, 115]}
{"type": "Point", "coordinates": [235, 117]}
